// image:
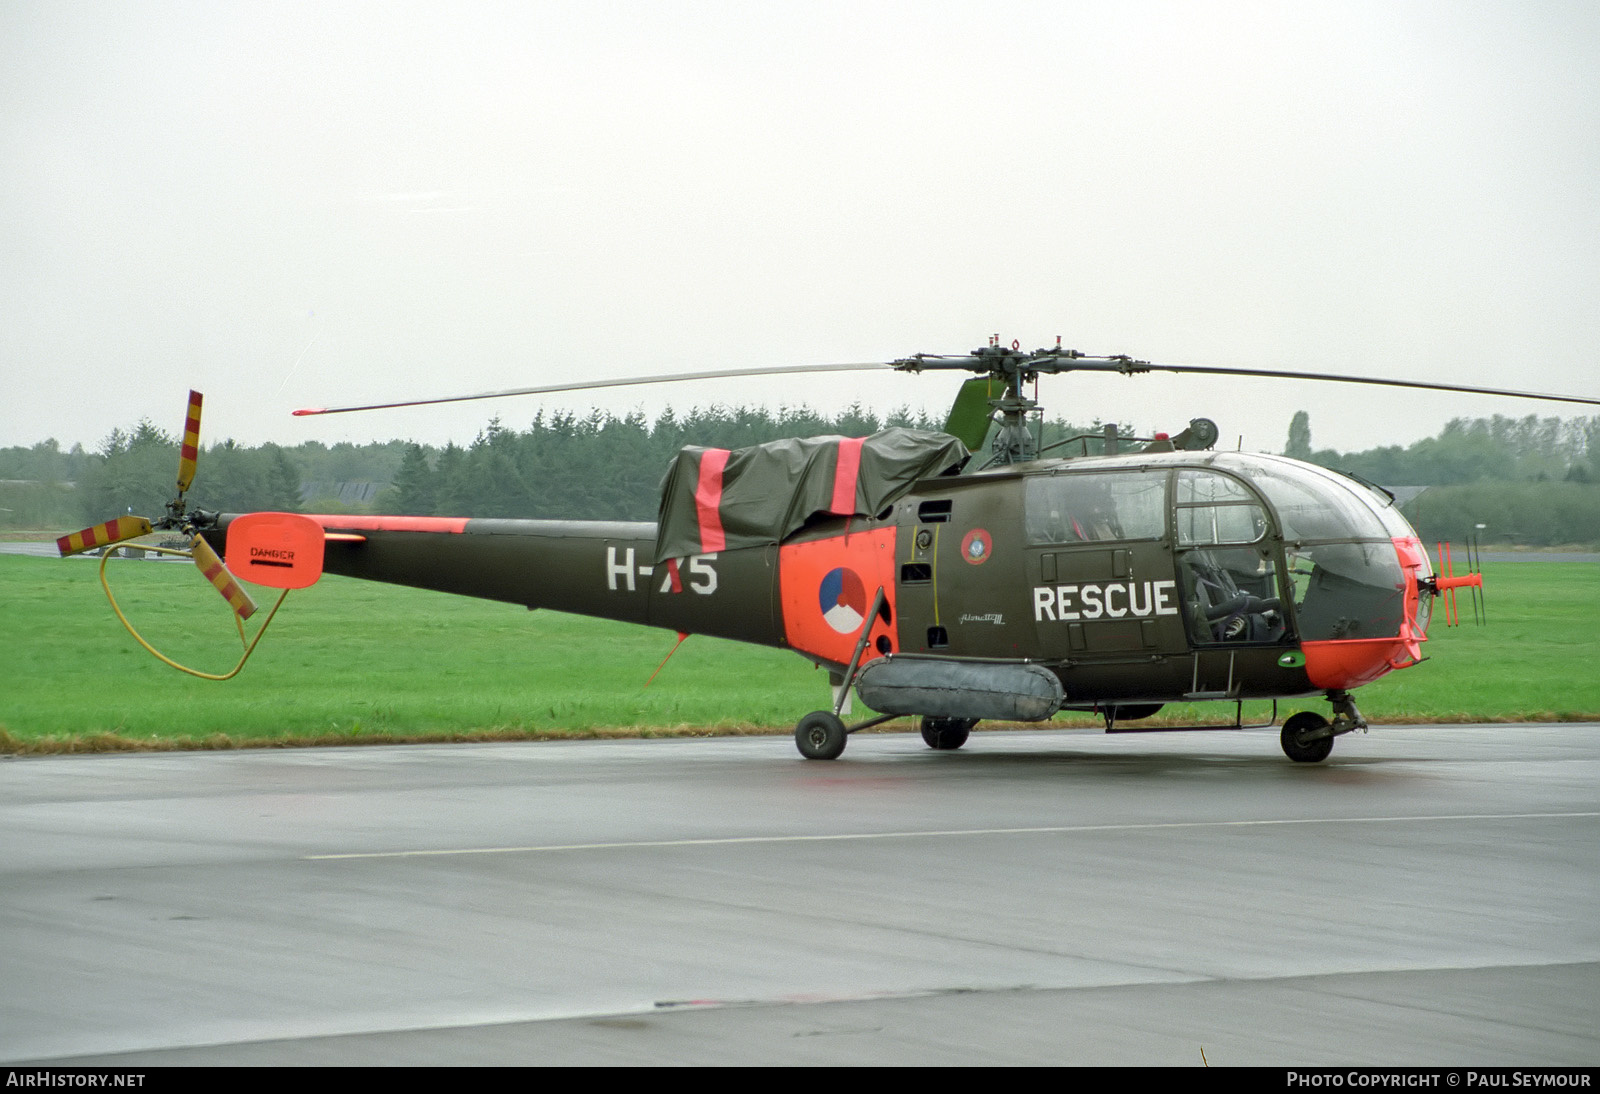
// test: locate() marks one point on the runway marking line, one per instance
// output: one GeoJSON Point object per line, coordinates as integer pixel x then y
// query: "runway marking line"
{"type": "Point", "coordinates": [842, 836]}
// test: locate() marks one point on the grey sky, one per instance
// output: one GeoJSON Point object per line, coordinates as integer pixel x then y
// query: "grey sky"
{"type": "Point", "coordinates": [287, 204]}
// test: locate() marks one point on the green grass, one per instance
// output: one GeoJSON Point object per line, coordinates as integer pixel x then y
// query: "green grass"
{"type": "Point", "coordinates": [1536, 658]}
{"type": "Point", "coordinates": [349, 661]}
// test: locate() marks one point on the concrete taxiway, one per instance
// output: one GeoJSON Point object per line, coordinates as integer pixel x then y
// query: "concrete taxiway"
{"type": "Point", "coordinates": [1427, 896]}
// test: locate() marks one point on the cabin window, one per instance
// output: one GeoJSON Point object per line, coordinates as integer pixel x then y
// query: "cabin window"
{"type": "Point", "coordinates": [1094, 507]}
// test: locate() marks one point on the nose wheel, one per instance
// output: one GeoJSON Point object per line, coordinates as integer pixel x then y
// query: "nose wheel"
{"type": "Point", "coordinates": [1307, 737]}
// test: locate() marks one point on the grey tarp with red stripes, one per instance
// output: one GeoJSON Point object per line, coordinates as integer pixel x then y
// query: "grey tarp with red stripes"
{"type": "Point", "coordinates": [716, 499]}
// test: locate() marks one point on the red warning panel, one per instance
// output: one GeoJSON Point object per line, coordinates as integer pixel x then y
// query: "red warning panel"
{"type": "Point", "coordinates": [283, 550]}
{"type": "Point", "coordinates": [827, 588]}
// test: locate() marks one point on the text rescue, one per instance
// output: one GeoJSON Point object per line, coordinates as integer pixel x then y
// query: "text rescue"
{"type": "Point", "coordinates": [1116, 600]}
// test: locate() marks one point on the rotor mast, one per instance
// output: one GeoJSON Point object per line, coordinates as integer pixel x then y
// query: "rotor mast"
{"type": "Point", "coordinates": [1010, 368]}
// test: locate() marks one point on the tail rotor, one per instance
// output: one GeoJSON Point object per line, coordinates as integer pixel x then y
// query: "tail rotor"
{"type": "Point", "coordinates": [178, 519]}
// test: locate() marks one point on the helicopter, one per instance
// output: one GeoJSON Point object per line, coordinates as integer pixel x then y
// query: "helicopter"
{"type": "Point", "coordinates": [1106, 573]}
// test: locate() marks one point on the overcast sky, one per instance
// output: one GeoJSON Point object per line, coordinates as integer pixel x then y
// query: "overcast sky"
{"type": "Point", "coordinates": [287, 204]}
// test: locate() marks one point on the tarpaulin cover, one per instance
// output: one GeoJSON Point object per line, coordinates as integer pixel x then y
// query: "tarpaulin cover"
{"type": "Point", "coordinates": [714, 499]}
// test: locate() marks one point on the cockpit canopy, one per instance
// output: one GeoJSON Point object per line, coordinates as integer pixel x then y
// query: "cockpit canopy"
{"type": "Point", "coordinates": [1225, 516]}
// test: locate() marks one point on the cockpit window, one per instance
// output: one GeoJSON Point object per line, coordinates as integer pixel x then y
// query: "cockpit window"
{"type": "Point", "coordinates": [1314, 504]}
{"type": "Point", "coordinates": [1231, 595]}
{"type": "Point", "coordinates": [1393, 522]}
{"type": "Point", "coordinates": [1347, 590]}
{"type": "Point", "coordinates": [1382, 502]}
{"type": "Point", "coordinates": [1215, 509]}
{"type": "Point", "coordinates": [1206, 487]}
{"type": "Point", "coordinates": [1088, 508]}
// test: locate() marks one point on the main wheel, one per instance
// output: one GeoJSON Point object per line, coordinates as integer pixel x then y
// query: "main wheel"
{"type": "Point", "coordinates": [946, 734]}
{"type": "Point", "coordinates": [1293, 738]}
{"type": "Point", "coordinates": [820, 736]}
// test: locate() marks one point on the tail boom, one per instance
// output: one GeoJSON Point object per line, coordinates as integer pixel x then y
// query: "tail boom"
{"type": "Point", "coordinates": [603, 569]}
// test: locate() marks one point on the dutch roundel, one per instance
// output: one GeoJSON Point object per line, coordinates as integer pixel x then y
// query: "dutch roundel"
{"type": "Point", "coordinates": [843, 600]}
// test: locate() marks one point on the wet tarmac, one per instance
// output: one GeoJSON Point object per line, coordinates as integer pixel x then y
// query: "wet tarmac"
{"type": "Point", "coordinates": [1426, 896]}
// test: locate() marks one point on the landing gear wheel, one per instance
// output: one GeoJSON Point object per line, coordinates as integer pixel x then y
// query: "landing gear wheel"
{"type": "Point", "coordinates": [946, 734]}
{"type": "Point", "coordinates": [1295, 744]}
{"type": "Point", "coordinates": [820, 736]}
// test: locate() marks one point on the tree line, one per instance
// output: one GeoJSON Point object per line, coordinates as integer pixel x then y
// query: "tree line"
{"type": "Point", "coordinates": [1498, 449]}
{"type": "Point", "coordinates": [1528, 480]}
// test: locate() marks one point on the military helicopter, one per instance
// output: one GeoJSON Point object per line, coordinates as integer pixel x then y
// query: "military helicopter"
{"type": "Point", "coordinates": [1107, 573]}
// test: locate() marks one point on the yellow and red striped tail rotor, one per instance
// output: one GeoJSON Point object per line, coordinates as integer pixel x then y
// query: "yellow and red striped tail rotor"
{"type": "Point", "coordinates": [221, 579]}
{"type": "Point", "coordinates": [102, 535]}
{"type": "Point", "coordinates": [189, 452]}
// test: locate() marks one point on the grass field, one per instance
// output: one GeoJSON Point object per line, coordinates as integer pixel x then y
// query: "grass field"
{"type": "Point", "coordinates": [350, 661]}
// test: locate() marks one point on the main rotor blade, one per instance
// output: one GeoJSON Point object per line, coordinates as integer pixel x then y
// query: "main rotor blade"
{"type": "Point", "coordinates": [589, 385]}
{"type": "Point", "coordinates": [103, 535]}
{"type": "Point", "coordinates": [1043, 363]}
{"type": "Point", "coordinates": [1283, 374]}
{"type": "Point", "coordinates": [189, 452]}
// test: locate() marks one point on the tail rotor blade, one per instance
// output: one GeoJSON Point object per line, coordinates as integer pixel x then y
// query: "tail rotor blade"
{"type": "Point", "coordinates": [221, 579]}
{"type": "Point", "coordinates": [103, 535]}
{"type": "Point", "coordinates": [1480, 607]}
{"type": "Point", "coordinates": [190, 451]}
